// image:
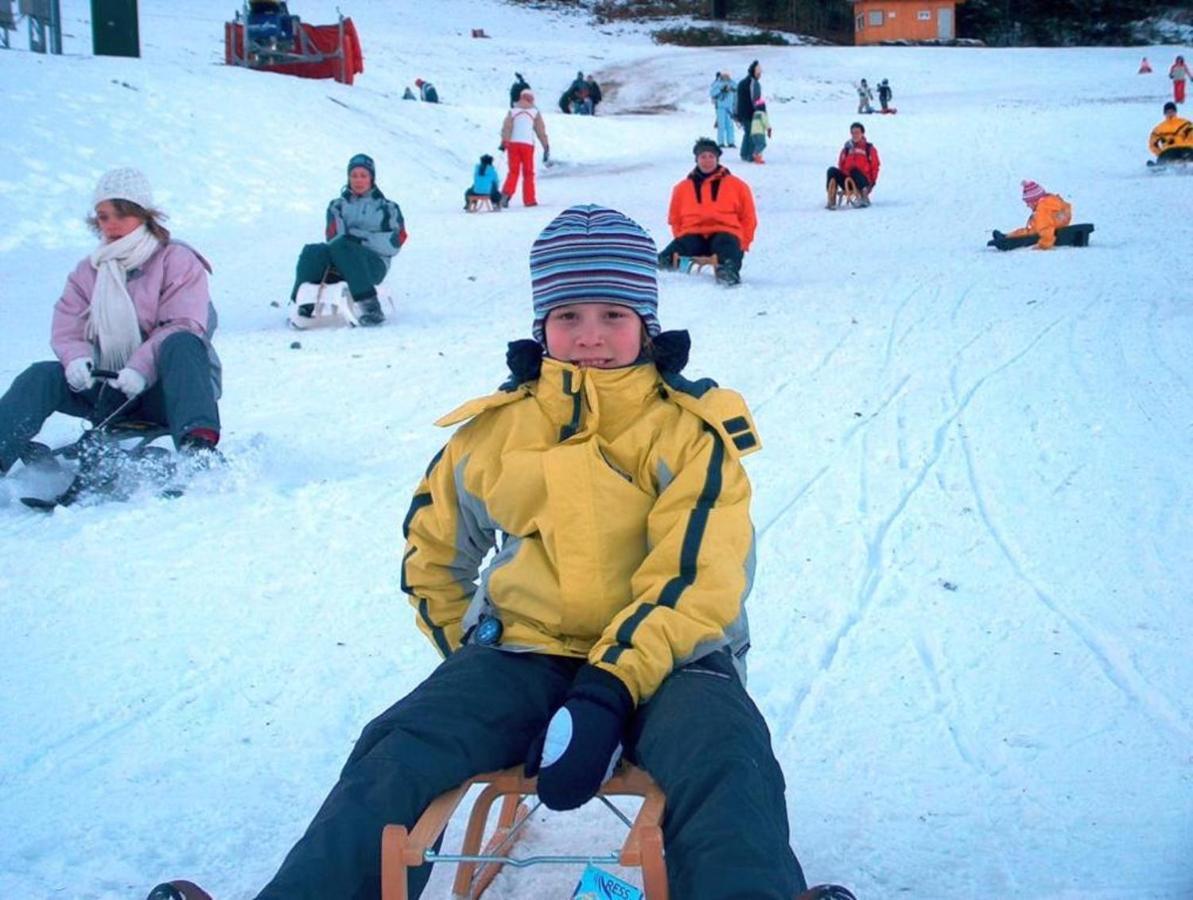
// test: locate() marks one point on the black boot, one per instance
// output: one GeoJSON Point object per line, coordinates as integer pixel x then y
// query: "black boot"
{"type": "Point", "coordinates": [368, 312]}
{"type": "Point", "coordinates": [728, 275]}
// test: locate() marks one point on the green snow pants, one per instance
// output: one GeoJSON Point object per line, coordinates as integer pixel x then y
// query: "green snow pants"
{"type": "Point", "coordinates": [356, 264]}
{"type": "Point", "coordinates": [700, 737]}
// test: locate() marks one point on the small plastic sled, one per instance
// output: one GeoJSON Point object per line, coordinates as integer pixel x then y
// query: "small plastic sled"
{"type": "Point", "coordinates": [694, 264]}
{"type": "Point", "coordinates": [328, 305]}
{"type": "Point", "coordinates": [889, 111]}
{"type": "Point", "coordinates": [1068, 236]}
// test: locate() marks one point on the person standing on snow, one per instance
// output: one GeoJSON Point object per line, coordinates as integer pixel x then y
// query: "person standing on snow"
{"type": "Point", "coordinates": [594, 92]}
{"type": "Point", "coordinates": [1048, 213]}
{"type": "Point", "coordinates": [884, 95]}
{"type": "Point", "coordinates": [1172, 139]}
{"type": "Point", "coordinates": [364, 233]}
{"type": "Point", "coordinates": [1179, 73]}
{"type": "Point", "coordinates": [865, 98]}
{"type": "Point", "coordinates": [723, 97]}
{"type": "Point", "coordinates": [711, 212]}
{"type": "Point", "coordinates": [749, 93]}
{"type": "Point", "coordinates": [139, 306]}
{"type": "Point", "coordinates": [760, 131]}
{"type": "Point", "coordinates": [858, 161]}
{"type": "Point", "coordinates": [522, 125]}
{"type": "Point", "coordinates": [620, 633]}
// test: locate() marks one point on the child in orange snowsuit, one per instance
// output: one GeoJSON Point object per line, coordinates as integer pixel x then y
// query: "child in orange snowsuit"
{"type": "Point", "coordinates": [1048, 213]}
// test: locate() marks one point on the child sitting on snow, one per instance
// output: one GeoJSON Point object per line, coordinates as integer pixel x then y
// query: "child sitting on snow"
{"type": "Point", "coordinates": [484, 183]}
{"type": "Point", "coordinates": [1048, 213]}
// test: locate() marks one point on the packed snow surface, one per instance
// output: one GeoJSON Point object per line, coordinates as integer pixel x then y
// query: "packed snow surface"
{"type": "Point", "coordinates": [972, 615]}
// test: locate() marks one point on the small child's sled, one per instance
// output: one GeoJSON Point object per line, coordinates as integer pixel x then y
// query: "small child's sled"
{"type": "Point", "coordinates": [403, 848]}
{"type": "Point", "coordinates": [328, 306]}
{"type": "Point", "coordinates": [696, 264]}
{"type": "Point", "coordinates": [481, 203]}
{"type": "Point", "coordinates": [323, 306]}
{"type": "Point", "coordinates": [1068, 236]}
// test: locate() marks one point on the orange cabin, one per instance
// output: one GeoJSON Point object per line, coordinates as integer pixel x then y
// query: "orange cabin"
{"type": "Point", "coordinates": [875, 21]}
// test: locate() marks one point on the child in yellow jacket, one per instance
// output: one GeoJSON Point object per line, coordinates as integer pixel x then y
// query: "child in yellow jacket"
{"type": "Point", "coordinates": [1048, 213]}
{"type": "Point", "coordinates": [612, 491]}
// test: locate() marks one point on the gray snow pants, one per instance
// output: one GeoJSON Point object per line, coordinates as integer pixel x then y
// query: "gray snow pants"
{"type": "Point", "coordinates": [700, 737]}
{"type": "Point", "coordinates": [357, 264]}
{"type": "Point", "coordinates": [183, 397]}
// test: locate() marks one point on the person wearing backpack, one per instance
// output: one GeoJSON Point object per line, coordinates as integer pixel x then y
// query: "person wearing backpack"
{"type": "Point", "coordinates": [857, 161]}
{"type": "Point", "coordinates": [749, 94]}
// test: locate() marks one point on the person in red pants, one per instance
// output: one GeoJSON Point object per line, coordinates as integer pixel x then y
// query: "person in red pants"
{"type": "Point", "coordinates": [523, 123]}
{"type": "Point", "coordinates": [1179, 73]}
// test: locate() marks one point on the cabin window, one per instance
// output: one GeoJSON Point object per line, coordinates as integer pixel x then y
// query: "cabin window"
{"type": "Point", "coordinates": [924, 15]}
{"type": "Point", "coordinates": [876, 18]}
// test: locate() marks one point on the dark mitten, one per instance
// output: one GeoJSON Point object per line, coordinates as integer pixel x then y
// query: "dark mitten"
{"type": "Point", "coordinates": [576, 752]}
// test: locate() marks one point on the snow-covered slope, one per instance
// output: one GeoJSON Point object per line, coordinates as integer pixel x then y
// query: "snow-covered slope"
{"type": "Point", "coordinates": [972, 613]}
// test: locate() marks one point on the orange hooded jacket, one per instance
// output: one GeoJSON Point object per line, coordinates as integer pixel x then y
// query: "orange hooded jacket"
{"type": "Point", "coordinates": [719, 202]}
{"type": "Point", "coordinates": [1050, 213]}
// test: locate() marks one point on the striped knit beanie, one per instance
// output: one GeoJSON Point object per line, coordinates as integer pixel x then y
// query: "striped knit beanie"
{"type": "Point", "coordinates": [590, 254]}
{"type": "Point", "coordinates": [1032, 192]}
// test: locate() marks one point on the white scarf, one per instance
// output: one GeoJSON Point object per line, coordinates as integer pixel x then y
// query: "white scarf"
{"type": "Point", "coordinates": [112, 320]}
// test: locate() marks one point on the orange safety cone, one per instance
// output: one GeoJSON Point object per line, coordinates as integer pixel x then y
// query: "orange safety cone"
{"type": "Point", "coordinates": [1144, 67]}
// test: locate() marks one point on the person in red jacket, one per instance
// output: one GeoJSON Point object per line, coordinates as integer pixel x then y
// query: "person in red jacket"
{"type": "Point", "coordinates": [712, 212]}
{"type": "Point", "coordinates": [859, 162]}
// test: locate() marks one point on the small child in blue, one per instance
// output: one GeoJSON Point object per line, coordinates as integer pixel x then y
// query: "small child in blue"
{"type": "Point", "coordinates": [484, 183]}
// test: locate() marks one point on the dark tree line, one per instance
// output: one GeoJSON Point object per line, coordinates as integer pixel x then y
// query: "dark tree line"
{"type": "Point", "coordinates": [996, 22]}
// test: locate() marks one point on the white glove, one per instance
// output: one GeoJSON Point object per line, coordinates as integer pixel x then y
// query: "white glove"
{"type": "Point", "coordinates": [130, 381]}
{"type": "Point", "coordinates": [78, 375]}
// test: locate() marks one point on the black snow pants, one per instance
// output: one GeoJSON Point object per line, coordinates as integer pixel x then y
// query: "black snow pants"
{"type": "Point", "coordinates": [700, 737]}
{"type": "Point", "coordinates": [725, 245]}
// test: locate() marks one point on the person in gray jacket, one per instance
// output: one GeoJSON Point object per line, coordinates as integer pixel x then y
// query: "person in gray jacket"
{"type": "Point", "coordinates": [364, 233]}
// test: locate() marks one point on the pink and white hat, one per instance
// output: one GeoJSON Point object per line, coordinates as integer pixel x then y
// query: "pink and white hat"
{"type": "Point", "coordinates": [1032, 192]}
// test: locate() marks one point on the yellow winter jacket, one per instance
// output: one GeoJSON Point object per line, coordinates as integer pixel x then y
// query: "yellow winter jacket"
{"type": "Point", "coordinates": [1051, 213]}
{"type": "Point", "coordinates": [1174, 132]}
{"type": "Point", "coordinates": [619, 510]}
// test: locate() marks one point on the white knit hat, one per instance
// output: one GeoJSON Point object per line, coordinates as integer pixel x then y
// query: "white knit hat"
{"type": "Point", "coordinates": [124, 184]}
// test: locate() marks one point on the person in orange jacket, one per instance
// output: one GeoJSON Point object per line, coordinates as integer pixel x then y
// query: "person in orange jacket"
{"type": "Point", "coordinates": [1048, 213]}
{"type": "Point", "coordinates": [712, 212]}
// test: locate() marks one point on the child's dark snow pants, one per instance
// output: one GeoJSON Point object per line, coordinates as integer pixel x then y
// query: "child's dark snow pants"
{"type": "Point", "coordinates": [183, 397]}
{"type": "Point", "coordinates": [359, 266]}
{"type": "Point", "coordinates": [700, 737]}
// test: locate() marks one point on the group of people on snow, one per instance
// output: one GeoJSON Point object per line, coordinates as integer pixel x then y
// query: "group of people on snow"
{"type": "Point", "coordinates": [581, 97]}
{"type": "Point", "coordinates": [626, 638]}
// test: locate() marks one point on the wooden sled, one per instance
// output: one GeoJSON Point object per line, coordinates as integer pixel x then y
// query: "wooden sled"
{"type": "Point", "coordinates": [480, 203]}
{"type": "Point", "coordinates": [690, 264]}
{"type": "Point", "coordinates": [403, 848]}
{"type": "Point", "coordinates": [1068, 236]}
{"type": "Point", "coordinates": [847, 196]}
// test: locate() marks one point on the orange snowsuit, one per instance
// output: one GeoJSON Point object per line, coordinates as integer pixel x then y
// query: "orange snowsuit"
{"type": "Point", "coordinates": [721, 203]}
{"type": "Point", "coordinates": [1050, 213]}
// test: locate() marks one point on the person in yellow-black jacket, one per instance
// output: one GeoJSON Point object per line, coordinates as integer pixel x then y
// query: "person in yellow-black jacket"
{"type": "Point", "coordinates": [1172, 139]}
{"type": "Point", "coordinates": [611, 615]}
{"type": "Point", "coordinates": [1048, 213]}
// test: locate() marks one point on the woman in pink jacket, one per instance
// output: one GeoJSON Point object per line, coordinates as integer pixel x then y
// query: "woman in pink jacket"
{"type": "Point", "coordinates": [138, 306]}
